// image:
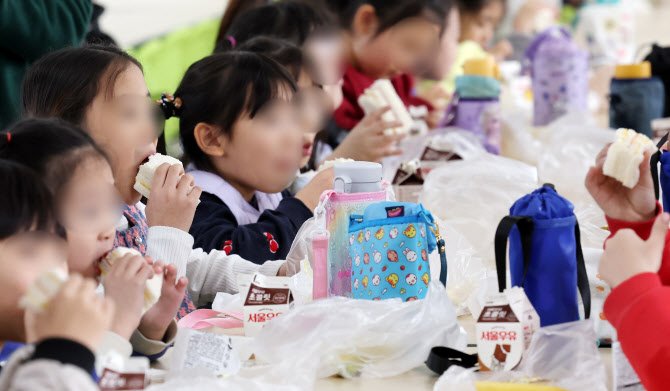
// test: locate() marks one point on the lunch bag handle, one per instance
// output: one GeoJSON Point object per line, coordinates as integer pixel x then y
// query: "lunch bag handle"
{"type": "Point", "coordinates": [525, 225]}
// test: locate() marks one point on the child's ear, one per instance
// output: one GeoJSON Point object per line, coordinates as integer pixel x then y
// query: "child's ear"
{"type": "Point", "coordinates": [209, 139]}
{"type": "Point", "coordinates": [365, 21]}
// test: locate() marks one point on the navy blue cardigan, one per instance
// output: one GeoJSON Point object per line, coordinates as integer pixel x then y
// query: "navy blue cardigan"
{"type": "Point", "coordinates": [215, 228]}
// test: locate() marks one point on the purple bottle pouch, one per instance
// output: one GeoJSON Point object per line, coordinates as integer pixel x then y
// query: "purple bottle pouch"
{"type": "Point", "coordinates": [479, 116]}
{"type": "Point", "coordinates": [559, 69]}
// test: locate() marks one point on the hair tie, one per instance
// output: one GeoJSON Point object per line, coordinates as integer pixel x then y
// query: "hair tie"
{"type": "Point", "coordinates": [233, 42]}
{"type": "Point", "coordinates": [169, 105]}
{"type": "Point", "coordinates": [9, 137]}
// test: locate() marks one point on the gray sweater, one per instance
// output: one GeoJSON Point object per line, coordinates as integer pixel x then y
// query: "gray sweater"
{"type": "Point", "coordinates": [53, 364]}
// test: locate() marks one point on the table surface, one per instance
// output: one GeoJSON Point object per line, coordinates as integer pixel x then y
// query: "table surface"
{"type": "Point", "coordinates": [422, 378]}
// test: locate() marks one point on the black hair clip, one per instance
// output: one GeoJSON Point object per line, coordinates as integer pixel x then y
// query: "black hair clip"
{"type": "Point", "coordinates": [169, 105]}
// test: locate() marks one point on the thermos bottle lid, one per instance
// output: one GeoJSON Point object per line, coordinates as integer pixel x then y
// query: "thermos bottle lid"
{"type": "Point", "coordinates": [633, 71]}
{"type": "Point", "coordinates": [486, 66]}
{"type": "Point", "coordinates": [360, 172]}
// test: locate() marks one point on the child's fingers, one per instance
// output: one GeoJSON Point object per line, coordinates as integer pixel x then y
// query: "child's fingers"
{"type": "Point", "coordinates": [171, 273]}
{"type": "Point", "coordinates": [159, 176]}
{"type": "Point", "coordinates": [392, 138]}
{"type": "Point", "coordinates": [377, 114]}
{"type": "Point", "coordinates": [182, 283]}
{"type": "Point", "coordinates": [149, 259]}
{"type": "Point", "coordinates": [185, 184]}
{"type": "Point", "coordinates": [173, 176]}
{"type": "Point", "coordinates": [195, 193]}
{"type": "Point", "coordinates": [133, 266]}
{"type": "Point", "coordinates": [159, 267]}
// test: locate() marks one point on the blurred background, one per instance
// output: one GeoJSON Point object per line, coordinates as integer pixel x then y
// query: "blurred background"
{"type": "Point", "coordinates": [126, 20]}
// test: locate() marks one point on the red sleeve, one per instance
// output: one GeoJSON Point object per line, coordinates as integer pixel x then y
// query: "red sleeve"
{"type": "Point", "coordinates": [349, 114]}
{"type": "Point", "coordinates": [643, 230]}
{"type": "Point", "coordinates": [638, 309]}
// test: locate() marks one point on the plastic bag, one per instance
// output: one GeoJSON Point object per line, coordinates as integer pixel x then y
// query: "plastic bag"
{"type": "Point", "coordinates": [518, 140]}
{"type": "Point", "coordinates": [286, 376]}
{"type": "Point", "coordinates": [465, 268]}
{"type": "Point", "coordinates": [599, 292]}
{"type": "Point", "coordinates": [565, 355]}
{"type": "Point", "coordinates": [301, 248]}
{"type": "Point", "coordinates": [364, 338]}
{"type": "Point", "coordinates": [472, 196]}
{"type": "Point", "coordinates": [569, 148]}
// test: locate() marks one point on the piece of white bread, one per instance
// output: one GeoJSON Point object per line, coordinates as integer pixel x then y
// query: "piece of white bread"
{"type": "Point", "coordinates": [152, 291]}
{"type": "Point", "coordinates": [145, 176]}
{"type": "Point", "coordinates": [381, 94]}
{"type": "Point", "coordinates": [45, 287]}
{"type": "Point", "coordinates": [625, 156]}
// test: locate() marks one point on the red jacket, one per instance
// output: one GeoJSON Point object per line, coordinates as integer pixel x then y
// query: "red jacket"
{"type": "Point", "coordinates": [639, 309]}
{"type": "Point", "coordinates": [349, 114]}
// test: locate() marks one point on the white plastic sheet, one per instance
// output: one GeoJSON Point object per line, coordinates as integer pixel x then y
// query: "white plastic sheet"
{"type": "Point", "coordinates": [472, 196]}
{"type": "Point", "coordinates": [566, 355]}
{"type": "Point", "coordinates": [363, 338]}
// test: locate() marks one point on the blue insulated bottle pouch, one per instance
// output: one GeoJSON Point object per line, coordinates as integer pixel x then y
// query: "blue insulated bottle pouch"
{"type": "Point", "coordinates": [545, 255]}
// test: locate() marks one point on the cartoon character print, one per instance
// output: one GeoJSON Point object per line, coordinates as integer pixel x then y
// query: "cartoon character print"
{"type": "Point", "coordinates": [410, 232]}
{"type": "Point", "coordinates": [392, 255]}
{"type": "Point", "coordinates": [368, 235]}
{"type": "Point", "coordinates": [394, 233]}
{"type": "Point", "coordinates": [410, 255]}
{"type": "Point", "coordinates": [357, 260]}
{"type": "Point", "coordinates": [365, 282]}
{"type": "Point", "coordinates": [360, 237]}
{"type": "Point", "coordinates": [425, 278]}
{"type": "Point", "coordinates": [376, 280]}
{"type": "Point", "coordinates": [274, 246]}
{"type": "Point", "coordinates": [423, 231]}
{"type": "Point", "coordinates": [424, 254]}
{"type": "Point", "coordinates": [413, 298]}
{"type": "Point", "coordinates": [379, 235]}
{"type": "Point", "coordinates": [377, 298]}
{"type": "Point", "coordinates": [228, 247]}
{"type": "Point", "coordinates": [366, 258]}
{"type": "Point", "coordinates": [377, 256]}
{"type": "Point", "coordinates": [392, 279]}
{"type": "Point", "coordinates": [356, 284]}
{"type": "Point", "coordinates": [411, 279]}
{"type": "Point", "coordinates": [352, 239]}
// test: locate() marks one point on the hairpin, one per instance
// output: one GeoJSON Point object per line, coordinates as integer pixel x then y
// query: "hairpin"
{"type": "Point", "coordinates": [169, 105]}
{"type": "Point", "coordinates": [233, 42]}
{"type": "Point", "coordinates": [9, 137]}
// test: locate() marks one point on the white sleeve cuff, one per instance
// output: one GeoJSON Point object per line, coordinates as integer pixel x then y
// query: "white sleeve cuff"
{"type": "Point", "coordinates": [270, 268]}
{"type": "Point", "coordinates": [170, 245]}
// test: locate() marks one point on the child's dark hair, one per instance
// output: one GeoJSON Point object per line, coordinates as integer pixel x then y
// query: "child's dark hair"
{"type": "Point", "coordinates": [293, 21]}
{"type": "Point", "coordinates": [220, 89]}
{"type": "Point", "coordinates": [235, 8]}
{"type": "Point", "coordinates": [392, 12]}
{"type": "Point", "coordinates": [64, 83]}
{"type": "Point", "coordinates": [285, 53]}
{"type": "Point", "coordinates": [474, 6]}
{"type": "Point", "coordinates": [51, 147]}
{"type": "Point", "coordinates": [25, 202]}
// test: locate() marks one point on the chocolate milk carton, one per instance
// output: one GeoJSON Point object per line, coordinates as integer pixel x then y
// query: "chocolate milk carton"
{"type": "Point", "coordinates": [265, 299]}
{"type": "Point", "coordinates": [504, 330]}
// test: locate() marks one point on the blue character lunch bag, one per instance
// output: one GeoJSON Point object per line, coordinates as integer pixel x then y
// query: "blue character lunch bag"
{"type": "Point", "coordinates": [389, 246]}
{"type": "Point", "coordinates": [545, 255]}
